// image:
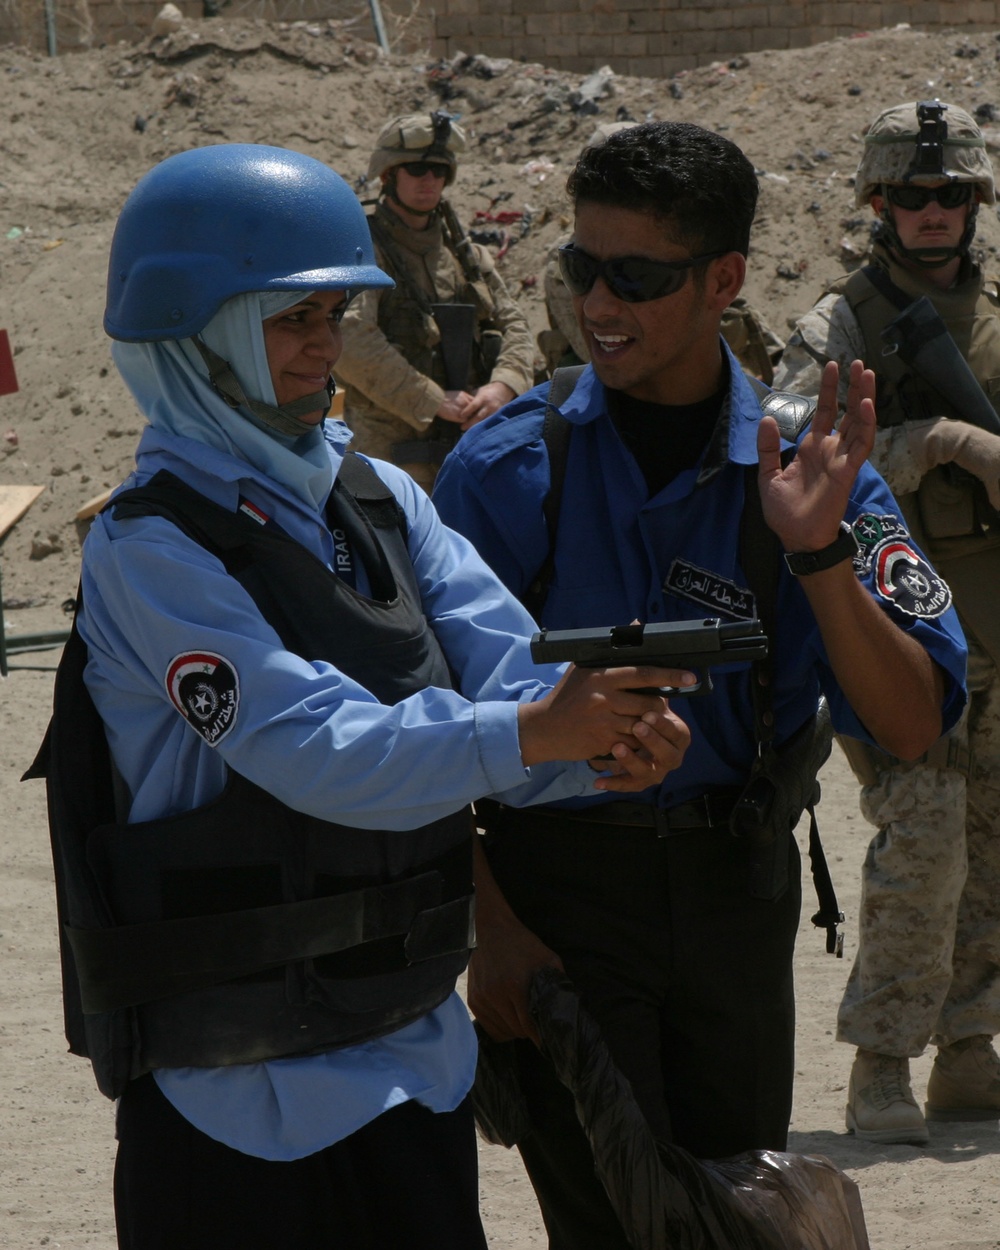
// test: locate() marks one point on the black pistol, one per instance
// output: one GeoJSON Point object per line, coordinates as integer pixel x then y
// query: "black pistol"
{"type": "Point", "coordinates": [695, 645]}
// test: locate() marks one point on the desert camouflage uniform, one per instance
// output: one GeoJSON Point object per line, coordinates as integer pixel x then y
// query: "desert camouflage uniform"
{"type": "Point", "coordinates": [389, 399]}
{"type": "Point", "coordinates": [928, 962]}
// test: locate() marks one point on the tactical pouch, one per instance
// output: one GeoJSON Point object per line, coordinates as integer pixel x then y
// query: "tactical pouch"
{"type": "Point", "coordinates": [946, 500]}
{"type": "Point", "coordinates": [490, 344]}
{"type": "Point", "coordinates": [866, 761]}
{"type": "Point", "coordinates": [782, 785]}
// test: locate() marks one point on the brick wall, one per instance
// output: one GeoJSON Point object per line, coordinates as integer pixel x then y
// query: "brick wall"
{"type": "Point", "coordinates": [658, 37]}
{"type": "Point", "coordinates": [89, 23]}
{"type": "Point", "coordinates": [642, 37]}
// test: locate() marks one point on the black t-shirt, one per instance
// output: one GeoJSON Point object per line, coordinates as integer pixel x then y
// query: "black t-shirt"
{"type": "Point", "coordinates": [665, 439]}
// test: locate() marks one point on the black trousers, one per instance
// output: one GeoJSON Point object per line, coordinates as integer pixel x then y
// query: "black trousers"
{"type": "Point", "coordinates": [407, 1181]}
{"type": "Point", "coordinates": [690, 979]}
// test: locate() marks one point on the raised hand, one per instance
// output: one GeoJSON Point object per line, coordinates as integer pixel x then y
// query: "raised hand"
{"type": "Point", "coordinates": [805, 502]}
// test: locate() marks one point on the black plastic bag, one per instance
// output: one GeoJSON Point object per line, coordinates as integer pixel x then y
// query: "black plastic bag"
{"type": "Point", "coordinates": [664, 1197]}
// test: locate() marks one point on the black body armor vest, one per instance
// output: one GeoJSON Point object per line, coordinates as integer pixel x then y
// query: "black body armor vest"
{"type": "Point", "coordinates": [245, 930]}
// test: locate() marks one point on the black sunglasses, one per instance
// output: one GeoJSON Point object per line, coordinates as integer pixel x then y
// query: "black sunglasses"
{"type": "Point", "coordinates": [912, 198]}
{"type": "Point", "coordinates": [632, 278]}
{"type": "Point", "coordinates": [417, 169]}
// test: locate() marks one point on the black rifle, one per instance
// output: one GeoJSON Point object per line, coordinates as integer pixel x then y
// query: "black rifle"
{"type": "Point", "coordinates": [674, 644]}
{"type": "Point", "coordinates": [457, 323]}
{"type": "Point", "coordinates": [922, 341]}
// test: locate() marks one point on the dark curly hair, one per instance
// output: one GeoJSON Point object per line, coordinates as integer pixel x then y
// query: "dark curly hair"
{"type": "Point", "coordinates": [699, 184]}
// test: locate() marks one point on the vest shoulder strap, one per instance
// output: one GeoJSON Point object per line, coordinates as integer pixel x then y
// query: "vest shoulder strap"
{"type": "Point", "coordinates": [556, 431]}
{"type": "Point", "coordinates": [394, 263]}
{"type": "Point", "coordinates": [375, 499]}
{"type": "Point", "coordinates": [885, 286]}
{"type": "Point", "coordinates": [167, 495]}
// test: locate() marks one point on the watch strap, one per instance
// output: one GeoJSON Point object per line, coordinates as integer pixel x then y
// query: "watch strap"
{"type": "Point", "coordinates": [843, 547]}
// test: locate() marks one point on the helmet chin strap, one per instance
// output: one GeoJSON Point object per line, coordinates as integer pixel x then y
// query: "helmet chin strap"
{"type": "Point", "coordinates": [285, 419]}
{"type": "Point", "coordinates": [925, 257]}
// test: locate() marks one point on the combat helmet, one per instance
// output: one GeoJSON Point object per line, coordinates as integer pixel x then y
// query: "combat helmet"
{"type": "Point", "coordinates": [218, 221]}
{"type": "Point", "coordinates": [921, 144]}
{"type": "Point", "coordinates": [211, 223]}
{"type": "Point", "coordinates": [418, 137]}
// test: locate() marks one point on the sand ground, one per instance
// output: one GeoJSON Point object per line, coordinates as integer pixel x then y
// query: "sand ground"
{"type": "Point", "coordinates": [76, 134]}
{"type": "Point", "coordinates": [57, 1152]}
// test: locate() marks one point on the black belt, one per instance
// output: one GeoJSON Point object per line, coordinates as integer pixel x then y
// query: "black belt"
{"type": "Point", "coordinates": [710, 811]}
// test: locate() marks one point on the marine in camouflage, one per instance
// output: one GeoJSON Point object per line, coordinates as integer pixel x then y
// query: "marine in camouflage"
{"type": "Point", "coordinates": [928, 961]}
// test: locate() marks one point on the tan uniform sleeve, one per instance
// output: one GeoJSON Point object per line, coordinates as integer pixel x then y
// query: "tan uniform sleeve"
{"type": "Point", "coordinates": [371, 364]}
{"type": "Point", "coordinates": [830, 331]}
{"type": "Point", "coordinates": [559, 305]}
{"type": "Point", "coordinates": [515, 366]}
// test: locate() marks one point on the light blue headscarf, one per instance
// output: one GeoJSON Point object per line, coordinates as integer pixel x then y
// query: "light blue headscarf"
{"type": "Point", "coordinates": [170, 383]}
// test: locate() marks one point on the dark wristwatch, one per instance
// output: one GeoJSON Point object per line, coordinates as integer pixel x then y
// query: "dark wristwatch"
{"type": "Point", "coordinates": [843, 547]}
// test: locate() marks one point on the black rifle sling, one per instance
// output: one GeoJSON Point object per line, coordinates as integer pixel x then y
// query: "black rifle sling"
{"type": "Point", "coordinates": [459, 243]}
{"type": "Point", "coordinates": [882, 283]}
{"type": "Point", "coordinates": [760, 555]}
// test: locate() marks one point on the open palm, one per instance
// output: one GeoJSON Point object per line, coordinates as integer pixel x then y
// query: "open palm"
{"type": "Point", "coordinates": [805, 501]}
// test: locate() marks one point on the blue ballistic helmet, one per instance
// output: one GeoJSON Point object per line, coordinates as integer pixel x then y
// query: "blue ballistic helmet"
{"type": "Point", "coordinates": [214, 222]}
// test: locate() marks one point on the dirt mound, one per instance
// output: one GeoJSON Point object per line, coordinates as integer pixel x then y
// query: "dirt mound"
{"type": "Point", "coordinates": [80, 130]}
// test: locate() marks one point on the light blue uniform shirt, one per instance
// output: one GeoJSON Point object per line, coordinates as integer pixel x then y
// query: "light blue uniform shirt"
{"type": "Point", "coordinates": [316, 740]}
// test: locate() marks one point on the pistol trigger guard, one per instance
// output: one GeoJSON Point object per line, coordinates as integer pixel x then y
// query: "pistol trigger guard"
{"type": "Point", "coordinates": [704, 686]}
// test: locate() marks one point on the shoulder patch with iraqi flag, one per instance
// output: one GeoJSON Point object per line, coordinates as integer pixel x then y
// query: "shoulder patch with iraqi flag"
{"type": "Point", "coordinates": [205, 689]}
{"type": "Point", "coordinates": [901, 573]}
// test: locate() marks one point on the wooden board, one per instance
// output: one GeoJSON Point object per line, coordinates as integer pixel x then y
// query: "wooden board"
{"type": "Point", "coordinates": [14, 503]}
{"type": "Point", "coordinates": [93, 506]}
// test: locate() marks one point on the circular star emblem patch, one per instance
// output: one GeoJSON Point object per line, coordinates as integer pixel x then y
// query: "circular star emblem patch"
{"type": "Point", "coordinates": [905, 577]}
{"type": "Point", "coordinates": [204, 688]}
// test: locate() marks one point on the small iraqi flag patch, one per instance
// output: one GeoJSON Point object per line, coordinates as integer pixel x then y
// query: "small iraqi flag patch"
{"type": "Point", "coordinates": [205, 689]}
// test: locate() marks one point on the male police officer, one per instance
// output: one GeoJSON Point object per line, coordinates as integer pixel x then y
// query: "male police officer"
{"type": "Point", "coordinates": [417, 374]}
{"type": "Point", "coordinates": [929, 946]}
{"type": "Point", "coordinates": [751, 340]}
{"type": "Point", "coordinates": [679, 935]}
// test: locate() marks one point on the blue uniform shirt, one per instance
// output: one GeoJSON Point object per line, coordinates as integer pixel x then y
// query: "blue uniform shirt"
{"type": "Point", "coordinates": [622, 555]}
{"type": "Point", "coordinates": [318, 741]}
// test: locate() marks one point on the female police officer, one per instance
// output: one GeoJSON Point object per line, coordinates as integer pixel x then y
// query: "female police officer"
{"type": "Point", "coordinates": [303, 680]}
